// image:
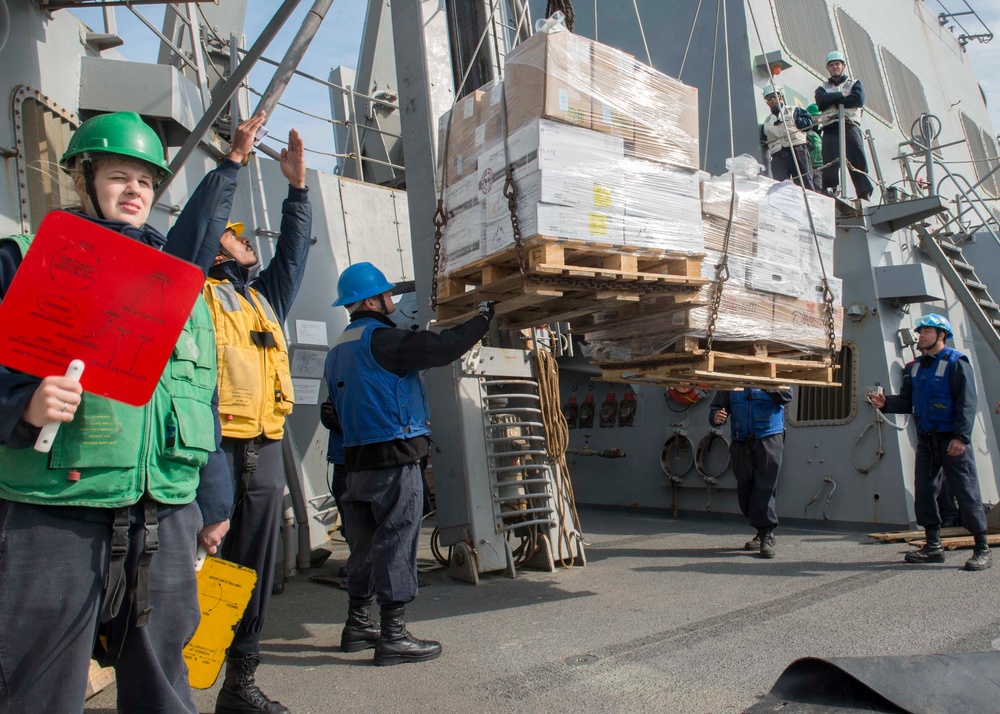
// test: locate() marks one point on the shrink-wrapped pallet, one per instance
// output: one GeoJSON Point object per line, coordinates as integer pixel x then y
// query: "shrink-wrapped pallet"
{"type": "Point", "coordinates": [774, 295]}
{"type": "Point", "coordinates": [586, 171]}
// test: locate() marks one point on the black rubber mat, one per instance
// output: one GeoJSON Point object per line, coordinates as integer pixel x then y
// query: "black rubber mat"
{"type": "Point", "coordinates": [920, 684]}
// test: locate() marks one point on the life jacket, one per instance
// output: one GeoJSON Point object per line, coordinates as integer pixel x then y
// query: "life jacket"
{"type": "Point", "coordinates": [774, 132]}
{"type": "Point", "coordinates": [831, 114]}
{"type": "Point", "coordinates": [255, 382]}
{"type": "Point", "coordinates": [933, 406]}
{"type": "Point", "coordinates": [753, 414]}
{"type": "Point", "coordinates": [122, 452]}
{"type": "Point", "coordinates": [373, 404]}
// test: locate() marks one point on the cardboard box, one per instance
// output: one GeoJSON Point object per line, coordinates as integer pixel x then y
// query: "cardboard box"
{"type": "Point", "coordinates": [804, 322]}
{"type": "Point", "coordinates": [567, 222]}
{"type": "Point", "coordinates": [612, 80]}
{"type": "Point", "coordinates": [557, 148]}
{"type": "Point", "coordinates": [666, 119]}
{"type": "Point", "coordinates": [461, 146]}
{"type": "Point", "coordinates": [741, 236]}
{"type": "Point", "coordinates": [549, 76]}
{"type": "Point", "coordinates": [561, 188]}
{"type": "Point", "coordinates": [489, 116]}
{"type": "Point", "coordinates": [463, 239]}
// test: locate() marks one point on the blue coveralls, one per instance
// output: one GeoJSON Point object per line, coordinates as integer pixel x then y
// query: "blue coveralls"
{"type": "Point", "coordinates": [757, 426]}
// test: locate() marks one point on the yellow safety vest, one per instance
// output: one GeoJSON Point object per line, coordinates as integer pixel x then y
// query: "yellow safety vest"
{"type": "Point", "coordinates": [255, 384]}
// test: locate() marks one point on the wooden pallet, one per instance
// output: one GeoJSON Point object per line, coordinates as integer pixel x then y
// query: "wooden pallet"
{"type": "Point", "coordinates": [955, 543]}
{"type": "Point", "coordinates": [724, 370]}
{"type": "Point", "coordinates": [909, 536]}
{"type": "Point", "coordinates": [526, 300]}
{"type": "Point", "coordinates": [99, 678]}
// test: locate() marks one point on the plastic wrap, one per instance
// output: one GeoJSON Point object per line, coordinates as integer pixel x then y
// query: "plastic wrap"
{"type": "Point", "coordinates": [603, 150]}
{"type": "Point", "coordinates": [774, 294]}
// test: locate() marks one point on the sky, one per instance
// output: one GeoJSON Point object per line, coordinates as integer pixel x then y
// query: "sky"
{"type": "Point", "coordinates": [338, 41]}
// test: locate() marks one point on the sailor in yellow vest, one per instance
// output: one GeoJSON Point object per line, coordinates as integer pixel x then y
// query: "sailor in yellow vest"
{"type": "Point", "coordinates": [99, 536]}
{"type": "Point", "coordinates": [255, 395]}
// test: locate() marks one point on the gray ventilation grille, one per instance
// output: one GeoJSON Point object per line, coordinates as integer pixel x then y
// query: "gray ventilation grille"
{"type": "Point", "coordinates": [862, 63]}
{"type": "Point", "coordinates": [823, 406]}
{"type": "Point", "coordinates": [977, 149]}
{"type": "Point", "coordinates": [991, 152]}
{"type": "Point", "coordinates": [907, 92]}
{"type": "Point", "coordinates": [806, 31]}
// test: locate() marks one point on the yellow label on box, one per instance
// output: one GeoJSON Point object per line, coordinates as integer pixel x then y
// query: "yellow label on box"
{"type": "Point", "coordinates": [602, 195]}
{"type": "Point", "coordinates": [598, 224]}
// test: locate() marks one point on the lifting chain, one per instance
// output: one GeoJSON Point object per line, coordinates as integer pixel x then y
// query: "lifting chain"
{"type": "Point", "coordinates": [831, 323]}
{"type": "Point", "coordinates": [440, 221]}
{"type": "Point", "coordinates": [722, 269]}
{"type": "Point", "coordinates": [563, 6]}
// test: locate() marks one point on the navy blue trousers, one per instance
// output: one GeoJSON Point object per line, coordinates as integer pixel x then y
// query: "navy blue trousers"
{"type": "Point", "coordinates": [52, 574]}
{"type": "Point", "coordinates": [382, 514]}
{"type": "Point", "coordinates": [756, 463]}
{"type": "Point", "coordinates": [933, 464]}
{"type": "Point", "coordinates": [255, 531]}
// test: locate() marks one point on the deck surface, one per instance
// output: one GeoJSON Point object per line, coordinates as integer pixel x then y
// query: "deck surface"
{"type": "Point", "coordinates": [674, 614]}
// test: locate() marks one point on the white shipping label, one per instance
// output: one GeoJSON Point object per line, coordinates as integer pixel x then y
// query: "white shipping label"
{"type": "Point", "coordinates": [469, 108]}
{"type": "Point", "coordinates": [496, 94]}
{"type": "Point", "coordinates": [563, 99]}
{"type": "Point", "coordinates": [480, 134]}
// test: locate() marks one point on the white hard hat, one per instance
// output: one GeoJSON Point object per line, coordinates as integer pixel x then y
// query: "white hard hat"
{"type": "Point", "coordinates": [836, 56]}
{"type": "Point", "coordinates": [773, 89]}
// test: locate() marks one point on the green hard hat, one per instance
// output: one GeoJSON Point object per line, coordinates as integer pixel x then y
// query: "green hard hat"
{"type": "Point", "coordinates": [121, 134]}
{"type": "Point", "coordinates": [813, 109]}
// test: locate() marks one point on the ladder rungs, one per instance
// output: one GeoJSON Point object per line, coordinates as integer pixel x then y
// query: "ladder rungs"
{"type": "Point", "coordinates": [950, 247]}
{"type": "Point", "coordinates": [962, 265]}
{"type": "Point", "coordinates": [989, 305]}
{"type": "Point", "coordinates": [975, 284]}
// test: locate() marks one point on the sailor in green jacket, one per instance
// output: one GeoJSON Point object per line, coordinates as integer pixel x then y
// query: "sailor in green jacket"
{"type": "Point", "coordinates": [100, 538]}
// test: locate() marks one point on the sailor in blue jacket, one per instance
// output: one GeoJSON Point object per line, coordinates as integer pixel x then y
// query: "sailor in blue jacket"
{"type": "Point", "coordinates": [758, 439]}
{"type": "Point", "coordinates": [939, 389]}
{"type": "Point", "coordinates": [373, 374]}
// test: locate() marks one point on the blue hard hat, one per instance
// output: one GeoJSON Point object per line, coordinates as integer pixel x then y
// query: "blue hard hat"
{"type": "Point", "coordinates": [939, 322]}
{"type": "Point", "coordinates": [360, 281]}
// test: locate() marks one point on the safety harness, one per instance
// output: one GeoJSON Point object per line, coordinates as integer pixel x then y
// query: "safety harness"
{"type": "Point", "coordinates": [108, 647]}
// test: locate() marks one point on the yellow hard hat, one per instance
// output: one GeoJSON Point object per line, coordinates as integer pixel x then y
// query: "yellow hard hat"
{"type": "Point", "coordinates": [236, 228]}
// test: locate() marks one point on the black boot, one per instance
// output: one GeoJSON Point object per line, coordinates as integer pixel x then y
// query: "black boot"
{"type": "Point", "coordinates": [931, 552]}
{"type": "Point", "coordinates": [981, 558]}
{"type": "Point", "coordinates": [240, 694]}
{"type": "Point", "coordinates": [766, 537]}
{"type": "Point", "coordinates": [397, 646]}
{"type": "Point", "coordinates": [360, 631]}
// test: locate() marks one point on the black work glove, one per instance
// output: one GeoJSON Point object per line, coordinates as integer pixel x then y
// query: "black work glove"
{"type": "Point", "coordinates": [486, 309]}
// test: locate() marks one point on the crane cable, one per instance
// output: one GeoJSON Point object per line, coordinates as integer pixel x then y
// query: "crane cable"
{"type": "Point", "coordinates": [828, 296]}
{"type": "Point", "coordinates": [440, 214]}
{"type": "Point", "coordinates": [563, 6]}
{"type": "Point", "coordinates": [722, 269]}
{"type": "Point", "coordinates": [694, 23]}
{"type": "Point", "coordinates": [556, 443]}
